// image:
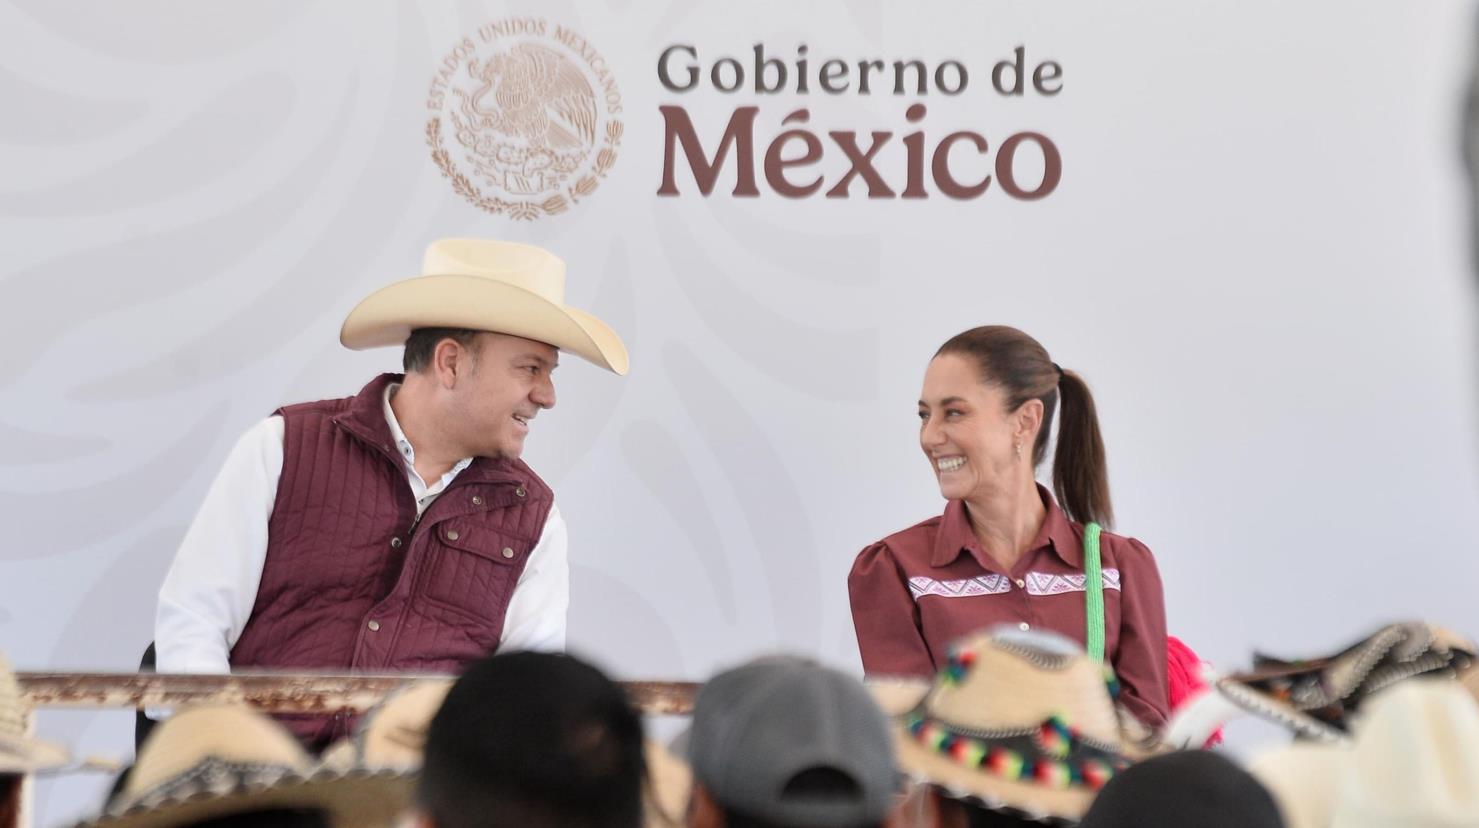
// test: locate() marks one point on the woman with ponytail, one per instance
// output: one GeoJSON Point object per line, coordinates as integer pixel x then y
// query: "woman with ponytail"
{"type": "Point", "coordinates": [1005, 550]}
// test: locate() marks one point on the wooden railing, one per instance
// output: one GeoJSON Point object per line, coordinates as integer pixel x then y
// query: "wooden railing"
{"type": "Point", "coordinates": [275, 692]}
{"type": "Point", "coordinates": [271, 692]}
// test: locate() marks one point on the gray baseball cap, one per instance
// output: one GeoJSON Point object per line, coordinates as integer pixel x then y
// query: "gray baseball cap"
{"type": "Point", "coordinates": [787, 740]}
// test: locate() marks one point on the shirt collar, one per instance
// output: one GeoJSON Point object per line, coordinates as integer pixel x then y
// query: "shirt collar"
{"type": "Point", "coordinates": [403, 445]}
{"type": "Point", "coordinates": [1057, 532]}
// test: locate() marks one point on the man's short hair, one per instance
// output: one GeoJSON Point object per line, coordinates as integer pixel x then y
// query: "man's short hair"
{"type": "Point", "coordinates": [423, 343]}
{"type": "Point", "coordinates": [533, 739]}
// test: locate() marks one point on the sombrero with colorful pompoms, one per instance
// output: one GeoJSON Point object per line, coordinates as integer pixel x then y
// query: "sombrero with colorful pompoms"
{"type": "Point", "coordinates": [1019, 722]}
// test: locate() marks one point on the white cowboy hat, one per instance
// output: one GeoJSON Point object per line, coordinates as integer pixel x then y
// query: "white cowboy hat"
{"type": "Point", "coordinates": [209, 762]}
{"type": "Point", "coordinates": [499, 286]}
{"type": "Point", "coordinates": [1413, 762]}
{"type": "Point", "coordinates": [19, 753]}
{"type": "Point", "coordinates": [1302, 779]}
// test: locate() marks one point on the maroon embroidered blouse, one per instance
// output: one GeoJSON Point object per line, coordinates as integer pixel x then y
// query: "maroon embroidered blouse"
{"type": "Point", "coordinates": [916, 591]}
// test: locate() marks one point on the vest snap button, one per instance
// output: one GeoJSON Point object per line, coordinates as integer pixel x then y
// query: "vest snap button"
{"type": "Point", "coordinates": [477, 500]}
{"type": "Point", "coordinates": [395, 543]}
{"type": "Point", "coordinates": [520, 491]}
{"type": "Point", "coordinates": [508, 552]}
{"type": "Point", "coordinates": [374, 626]}
{"type": "Point", "coordinates": [452, 534]}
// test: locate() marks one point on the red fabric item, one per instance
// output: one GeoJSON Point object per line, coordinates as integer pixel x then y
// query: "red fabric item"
{"type": "Point", "coordinates": [916, 591]}
{"type": "Point", "coordinates": [1184, 678]}
{"type": "Point", "coordinates": [353, 582]}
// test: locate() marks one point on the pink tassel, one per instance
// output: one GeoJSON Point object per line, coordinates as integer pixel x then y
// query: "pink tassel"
{"type": "Point", "coordinates": [1184, 679]}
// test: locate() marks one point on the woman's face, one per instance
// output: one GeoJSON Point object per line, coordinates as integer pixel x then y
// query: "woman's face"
{"type": "Point", "coordinates": [966, 432]}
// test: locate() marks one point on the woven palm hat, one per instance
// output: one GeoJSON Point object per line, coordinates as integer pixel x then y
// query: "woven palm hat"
{"type": "Point", "coordinates": [897, 696]}
{"type": "Point", "coordinates": [19, 753]}
{"type": "Point", "coordinates": [669, 784]}
{"type": "Point", "coordinates": [485, 285]}
{"type": "Point", "coordinates": [1413, 762]}
{"type": "Point", "coordinates": [209, 762]}
{"type": "Point", "coordinates": [392, 735]}
{"type": "Point", "coordinates": [1021, 723]}
{"type": "Point", "coordinates": [1317, 698]}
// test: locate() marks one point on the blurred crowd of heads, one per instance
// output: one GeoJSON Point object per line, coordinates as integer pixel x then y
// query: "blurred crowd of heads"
{"type": "Point", "coordinates": [1019, 728]}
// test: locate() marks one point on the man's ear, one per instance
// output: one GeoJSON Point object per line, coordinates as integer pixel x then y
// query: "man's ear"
{"type": "Point", "coordinates": [450, 360]}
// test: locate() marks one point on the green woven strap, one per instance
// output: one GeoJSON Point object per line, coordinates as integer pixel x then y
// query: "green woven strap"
{"type": "Point", "coordinates": [1093, 594]}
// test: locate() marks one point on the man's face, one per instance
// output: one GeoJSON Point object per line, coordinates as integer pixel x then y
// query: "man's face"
{"type": "Point", "coordinates": [494, 403]}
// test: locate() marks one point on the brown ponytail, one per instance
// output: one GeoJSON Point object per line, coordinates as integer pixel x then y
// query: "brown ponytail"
{"type": "Point", "coordinates": [1017, 363]}
{"type": "Point", "coordinates": [1080, 475]}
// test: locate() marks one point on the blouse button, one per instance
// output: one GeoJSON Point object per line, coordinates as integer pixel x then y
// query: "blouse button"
{"type": "Point", "coordinates": [477, 500]}
{"type": "Point", "coordinates": [508, 552]}
{"type": "Point", "coordinates": [374, 626]}
{"type": "Point", "coordinates": [520, 491]}
{"type": "Point", "coordinates": [395, 543]}
{"type": "Point", "coordinates": [1024, 626]}
{"type": "Point", "coordinates": [1021, 584]}
{"type": "Point", "coordinates": [452, 535]}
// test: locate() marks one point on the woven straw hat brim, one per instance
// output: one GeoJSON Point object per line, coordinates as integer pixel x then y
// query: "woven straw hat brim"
{"type": "Point", "coordinates": [1279, 712]}
{"type": "Point", "coordinates": [1011, 684]}
{"type": "Point", "coordinates": [897, 696]}
{"type": "Point", "coordinates": [30, 755]}
{"type": "Point", "coordinates": [359, 799]}
{"type": "Point", "coordinates": [392, 734]}
{"type": "Point", "coordinates": [669, 782]}
{"type": "Point", "coordinates": [1036, 802]}
{"type": "Point", "coordinates": [387, 317]}
{"type": "Point", "coordinates": [341, 756]}
{"type": "Point", "coordinates": [1419, 649]}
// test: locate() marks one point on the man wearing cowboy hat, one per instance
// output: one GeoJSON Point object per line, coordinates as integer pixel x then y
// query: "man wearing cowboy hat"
{"type": "Point", "coordinates": [396, 530]}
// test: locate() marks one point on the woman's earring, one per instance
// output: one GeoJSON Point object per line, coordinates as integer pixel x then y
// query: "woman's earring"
{"type": "Point", "coordinates": [1018, 447]}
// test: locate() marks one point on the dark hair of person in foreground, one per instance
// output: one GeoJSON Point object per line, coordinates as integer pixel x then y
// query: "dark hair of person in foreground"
{"type": "Point", "coordinates": [529, 740]}
{"type": "Point", "coordinates": [273, 818]}
{"type": "Point", "coordinates": [10, 798]}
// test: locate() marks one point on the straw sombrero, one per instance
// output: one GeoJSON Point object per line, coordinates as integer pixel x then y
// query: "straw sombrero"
{"type": "Point", "coordinates": [1316, 698]}
{"type": "Point", "coordinates": [485, 285]}
{"type": "Point", "coordinates": [1413, 761]}
{"type": "Point", "coordinates": [19, 753]}
{"type": "Point", "coordinates": [209, 762]}
{"type": "Point", "coordinates": [1023, 723]}
{"type": "Point", "coordinates": [669, 783]}
{"type": "Point", "coordinates": [392, 735]}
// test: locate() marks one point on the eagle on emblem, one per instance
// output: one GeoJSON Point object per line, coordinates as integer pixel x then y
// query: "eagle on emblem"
{"type": "Point", "coordinates": [532, 92]}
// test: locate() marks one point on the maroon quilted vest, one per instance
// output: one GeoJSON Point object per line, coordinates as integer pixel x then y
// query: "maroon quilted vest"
{"type": "Point", "coordinates": [354, 582]}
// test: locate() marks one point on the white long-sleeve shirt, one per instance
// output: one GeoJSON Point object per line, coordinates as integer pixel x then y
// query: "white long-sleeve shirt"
{"type": "Point", "coordinates": [210, 590]}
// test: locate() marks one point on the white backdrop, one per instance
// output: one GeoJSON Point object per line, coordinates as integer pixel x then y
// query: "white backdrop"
{"type": "Point", "coordinates": [1257, 256]}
